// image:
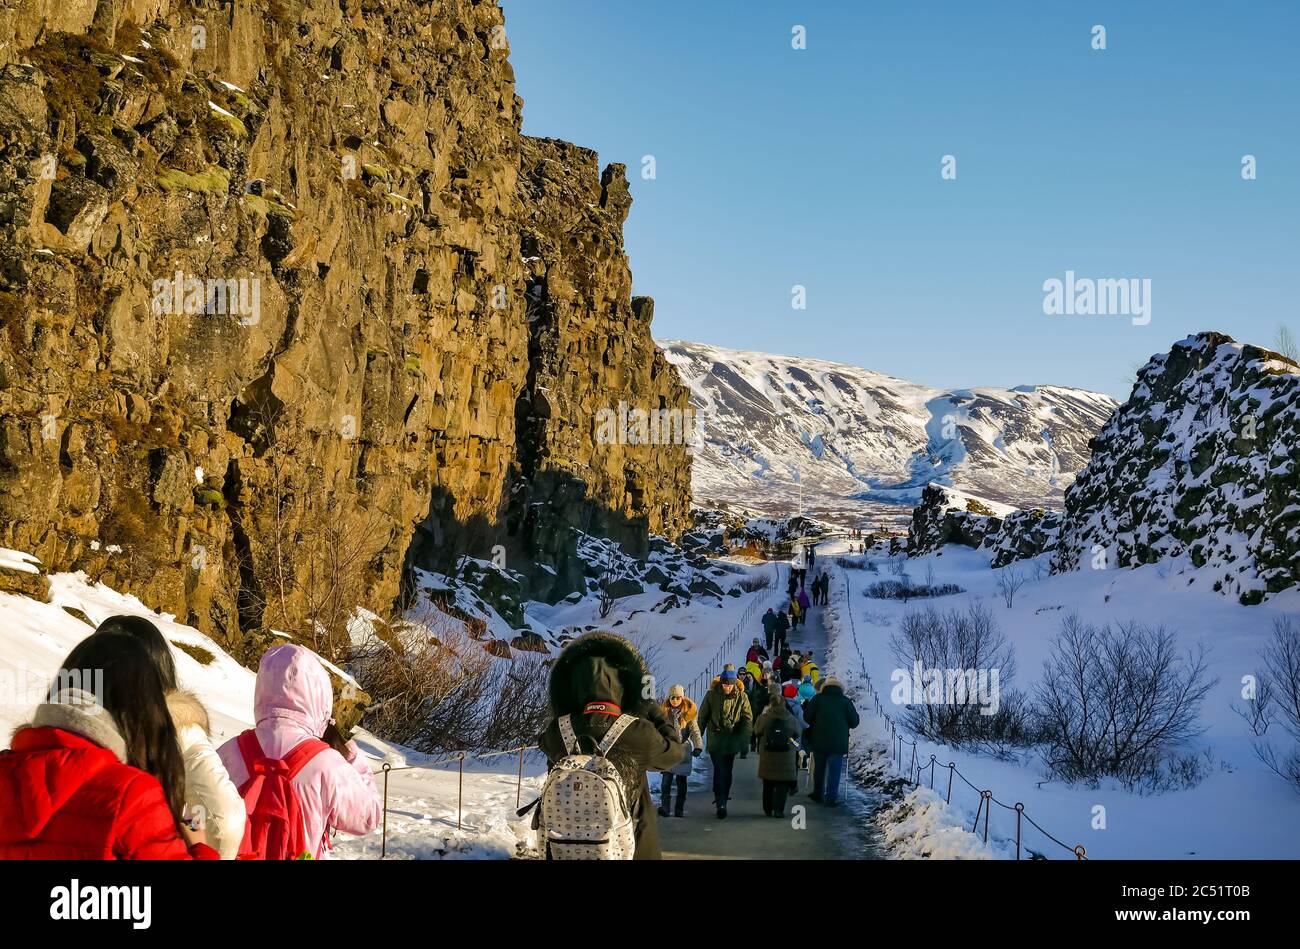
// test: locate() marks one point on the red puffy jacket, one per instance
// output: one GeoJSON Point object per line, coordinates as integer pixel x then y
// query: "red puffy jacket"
{"type": "Point", "coordinates": [63, 797]}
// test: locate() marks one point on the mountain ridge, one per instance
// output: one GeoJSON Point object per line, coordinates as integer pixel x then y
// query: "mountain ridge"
{"type": "Point", "coordinates": [864, 444]}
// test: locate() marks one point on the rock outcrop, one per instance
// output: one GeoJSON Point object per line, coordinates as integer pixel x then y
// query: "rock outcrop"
{"type": "Point", "coordinates": [1200, 466]}
{"type": "Point", "coordinates": [264, 312]}
{"type": "Point", "coordinates": [948, 516]}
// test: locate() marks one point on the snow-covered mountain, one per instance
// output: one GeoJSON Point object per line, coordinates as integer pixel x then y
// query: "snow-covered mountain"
{"type": "Point", "coordinates": [864, 444]}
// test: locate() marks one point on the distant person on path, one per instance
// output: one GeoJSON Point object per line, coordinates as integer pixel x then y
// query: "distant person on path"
{"type": "Point", "coordinates": [830, 716]}
{"type": "Point", "coordinates": [756, 652]}
{"type": "Point", "coordinates": [809, 670]}
{"type": "Point", "coordinates": [727, 720]}
{"type": "Point", "coordinates": [775, 731]}
{"type": "Point", "coordinates": [794, 613]}
{"type": "Point", "coordinates": [681, 714]}
{"type": "Point", "coordinates": [780, 632]}
{"type": "Point", "coordinates": [793, 585]}
{"type": "Point", "coordinates": [804, 603]}
{"type": "Point", "coordinates": [769, 630]}
{"type": "Point", "coordinates": [758, 698]}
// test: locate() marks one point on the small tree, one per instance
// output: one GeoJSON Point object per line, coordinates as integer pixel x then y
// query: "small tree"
{"type": "Point", "coordinates": [1010, 580]}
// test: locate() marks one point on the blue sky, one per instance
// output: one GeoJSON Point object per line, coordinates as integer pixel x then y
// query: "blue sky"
{"type": "Point", "coordinates": [821, 167]}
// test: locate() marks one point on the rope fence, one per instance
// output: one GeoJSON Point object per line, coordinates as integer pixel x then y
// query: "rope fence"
{"type": "Point", "coordinates": [914, 773]}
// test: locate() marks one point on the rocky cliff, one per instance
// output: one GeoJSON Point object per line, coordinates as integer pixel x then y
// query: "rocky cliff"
{"type": "Point", "coordinates": [276, 299]}
{"type": "Point", "coordinates": [1201, 467]}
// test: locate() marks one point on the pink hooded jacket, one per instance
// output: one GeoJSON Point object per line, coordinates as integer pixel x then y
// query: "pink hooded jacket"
{"type": "Point", "coordinates": [291, 703]}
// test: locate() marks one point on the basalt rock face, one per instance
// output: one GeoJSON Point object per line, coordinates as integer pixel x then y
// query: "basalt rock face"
{"type": "Point", "coordinates": [583, 461]}
{"type": "Point", "coordinates": [1201, 467]}
{"type": "Point", "coordinates": [263, 307]}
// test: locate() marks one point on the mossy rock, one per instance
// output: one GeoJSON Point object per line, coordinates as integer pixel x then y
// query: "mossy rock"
{"type": "Point", "coordinates": [376, 171]}
{"type": "Point", "coordinates": [232, 122]}
{"type": "Point", "coordinates": [213, 180]}
{"type": "Point", "coordinates": [268, 207]}
{"type": "Point", "coordinates": [209, 497]}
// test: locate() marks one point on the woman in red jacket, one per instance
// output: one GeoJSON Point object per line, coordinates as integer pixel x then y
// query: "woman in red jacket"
{"type": "Point", "coordinates": [98, 774]}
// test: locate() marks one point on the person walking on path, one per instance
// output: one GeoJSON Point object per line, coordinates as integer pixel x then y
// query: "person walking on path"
{"type": "Point", "coordinates": [756, 652]}
{"type": "Point", "coordinates": [780, 633]}
{"type": "Point", "coordinates": [758, 697]}
{"type": "Point", "coordinates": [727, 720]}
{"type": "Point", "coordinates": [804, 603]}
{"type": "Point", "coordinates": [776, 730]}
{"type": "Point", "coordinates": [808, 669]}
{"type": "Point", "coordinates": [793, 586]}
{"type": "Point", "coordinates": [794, 613]}
{"type": "Point", "coordinates": [830, 716]}
{"type": "Point", "coordinates": [597, 678]}
{"type": "Point", "coordinates": [769, 630]}
{"type": "Point", "coordinates": [680, 713]}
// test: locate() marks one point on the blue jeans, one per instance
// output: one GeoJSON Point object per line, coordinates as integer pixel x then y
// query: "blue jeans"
{"type": "Point", "coordinates": [826, 775]}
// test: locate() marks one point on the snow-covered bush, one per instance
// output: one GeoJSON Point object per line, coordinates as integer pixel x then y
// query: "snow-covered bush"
{"type": "Point", "coordinates": [1118, 702]}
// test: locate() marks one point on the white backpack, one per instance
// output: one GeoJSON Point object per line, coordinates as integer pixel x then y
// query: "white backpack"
{"type": "Point", "coordinates": [584, 807]}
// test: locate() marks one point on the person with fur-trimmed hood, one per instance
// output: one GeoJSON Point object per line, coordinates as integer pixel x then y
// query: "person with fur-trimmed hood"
{"type": "Point", "coordinates": [598, 677]}
{"type": "Point", "coordinates": [681, 713]}
{"type": "Point", "coordinates": [211, 798]}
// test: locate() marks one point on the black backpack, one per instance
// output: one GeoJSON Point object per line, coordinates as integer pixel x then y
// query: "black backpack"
{"type": "Point", "coordinates": [778, 736]}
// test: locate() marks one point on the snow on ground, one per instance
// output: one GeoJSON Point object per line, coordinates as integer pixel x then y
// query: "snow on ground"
{"type": "Point", "coordinates": [678, 644]}
{"type": "Point", "coordinates": [423, 791]}
{"type": "Point", "coordinates": [1240, 809]}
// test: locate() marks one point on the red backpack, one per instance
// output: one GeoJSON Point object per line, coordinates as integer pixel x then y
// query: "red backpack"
{"type": "Point", "coordinates": [274, 830]}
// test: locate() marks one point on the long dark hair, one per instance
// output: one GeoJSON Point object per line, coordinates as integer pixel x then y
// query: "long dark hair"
{"type": "Point", "coordinates": [152, 640]}
{"type": "Point", "coordinates": [133, 695]}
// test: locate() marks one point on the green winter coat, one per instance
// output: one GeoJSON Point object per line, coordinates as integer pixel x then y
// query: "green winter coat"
{"type": "Point", "coordinates": [727, 720]}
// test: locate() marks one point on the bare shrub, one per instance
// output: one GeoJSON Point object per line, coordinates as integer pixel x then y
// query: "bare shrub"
{"type": "Point", "coordinates": [974, 665]}
{"type": "Point", "coordinates": [1118, 702]}
{"type": "Point", "coordinates": [1278, 695]}
{"type": "Point", "coordinates": [434, 687]}
{"type": "Point", "coordinates": [1010, 580]}
{"type": "Point", "coordinates": [755, 582]}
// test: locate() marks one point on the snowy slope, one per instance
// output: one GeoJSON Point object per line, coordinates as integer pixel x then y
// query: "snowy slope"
{"type": "Point", "coordinates": [1238, 809]}
{"type": "Point", "coordinates": [858, 439]}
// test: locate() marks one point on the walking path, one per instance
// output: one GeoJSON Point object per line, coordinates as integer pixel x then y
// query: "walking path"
{"type": "Point", "coordinates": [828, 833]}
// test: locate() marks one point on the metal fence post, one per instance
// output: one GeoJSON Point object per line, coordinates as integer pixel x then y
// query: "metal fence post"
{"type": "Point", "coordinates": [519, 785]}
{"type": "Point", "coordinates": [383, 846]}
{"type": "Point", "coordinates": [951, 767]}
{"type": "Point", "coordinates": [1020, 809]}
{"type": "Point", "coordinates": [460, 793]}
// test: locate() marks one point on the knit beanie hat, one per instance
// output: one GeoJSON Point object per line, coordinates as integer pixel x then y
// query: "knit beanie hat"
{"type": "Point", "coordinates": [728, 673]}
